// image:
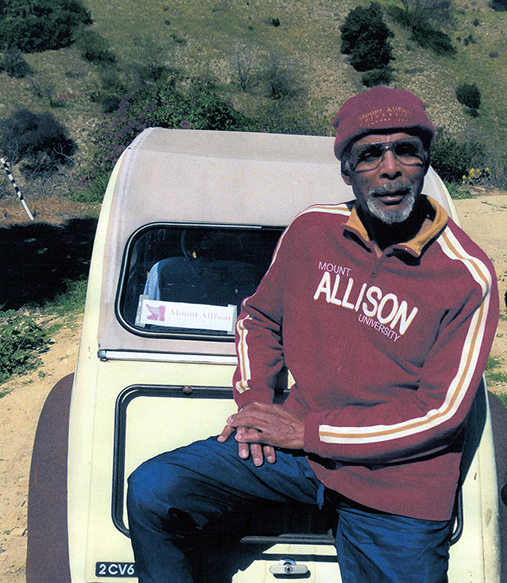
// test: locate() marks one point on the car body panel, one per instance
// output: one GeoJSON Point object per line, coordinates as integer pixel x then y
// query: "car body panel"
{"type": "Point", "coordinates": [134, 396]}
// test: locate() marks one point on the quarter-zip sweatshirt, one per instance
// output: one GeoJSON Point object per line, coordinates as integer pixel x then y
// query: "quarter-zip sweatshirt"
{"type": "Point", "coordinates": [386, 352]}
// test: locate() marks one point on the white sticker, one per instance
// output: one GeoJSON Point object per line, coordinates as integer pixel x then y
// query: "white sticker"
{"type": "Point", "coordinates": [182, 315]}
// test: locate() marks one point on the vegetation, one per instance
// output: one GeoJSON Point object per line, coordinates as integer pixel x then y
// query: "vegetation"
{"type": "Point", "coordinates": [425, 18]}
{"type": "Point", "coordinates": [94, 47]}
{"type": "Point", "coordinates": [365, 37]}
{"type": "Point", "coordinates": [281, 77]}
{"type": "Point", "coordinates": [39, 141]}
{"type": "Point", "coordinates": [453, 158]}
{"type": "Point", "coordinates": [41, 25]}
{"type": "Point", "coordinates": [22, 340]}
{"type": "Point", "coordinates": [500, 5]}
{"type": "Point", "coordinates": [14, 64]}
{"type": "Point", "coordinates": [469, 95]}
{"type": "Point", "coordinates": [494, 376]}
{"type": "Point", "coordinates": [195, 106]}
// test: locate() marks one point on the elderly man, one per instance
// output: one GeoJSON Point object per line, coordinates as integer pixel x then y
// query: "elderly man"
{"type": "Point", "coordinates": [386, 350]}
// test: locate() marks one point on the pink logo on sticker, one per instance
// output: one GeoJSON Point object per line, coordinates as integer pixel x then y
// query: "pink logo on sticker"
{"type": "Point", "coordinates": [156, 313]}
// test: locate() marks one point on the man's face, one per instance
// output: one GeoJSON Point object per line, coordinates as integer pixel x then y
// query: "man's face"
{"type": "Point", "coordinates": [389, 190]}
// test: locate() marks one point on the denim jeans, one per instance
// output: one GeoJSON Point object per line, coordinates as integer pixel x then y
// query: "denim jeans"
{"type": "Point", "coordinates": [176, 497]}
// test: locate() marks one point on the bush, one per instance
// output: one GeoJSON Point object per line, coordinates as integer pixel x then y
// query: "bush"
{"type": "Point", "coordinates": [377, 77]}
{"type": "Point", "coordinates": [41, 25]}
{"type": "Point", "coordinates": [436, 40]}
{"type": "Point", "coordinates": [469, 95]}
{"type": "Point", "coordinates": [292, 116]}
{"type": "Point", "coordinates": [452, 159]}
{"type": "Point", "coordinates": [499, 5]}
{"type": "Point", "coordinates": [162, 105]}
{"type": "Point", "coordinates": [14, 64]}
{"type": "Point", "coordinates": [94, 47]}
{"type": "Point", "coordinates": [39, 141]}
{"type": "Point", "coordinates": [422, 30]}
{"type": "Point", "coordinates": [365, 37]}
{"type": "Point", "coordinates": [21, 342]}
{"type": "Point", "coordinates": [281, 78]}
{"type": "Point", "coordinates": [150, 60]}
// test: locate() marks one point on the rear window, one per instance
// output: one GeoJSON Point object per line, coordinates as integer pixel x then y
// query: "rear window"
{"type": "Point", "coordinates": [180, 280]}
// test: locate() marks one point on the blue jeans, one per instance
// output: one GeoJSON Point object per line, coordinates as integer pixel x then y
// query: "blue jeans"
{"type": "Point", "coordinates": [178, 496]}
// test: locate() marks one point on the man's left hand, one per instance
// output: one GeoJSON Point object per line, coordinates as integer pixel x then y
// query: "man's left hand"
{"type": "Point", "coordinates": [269, 424]}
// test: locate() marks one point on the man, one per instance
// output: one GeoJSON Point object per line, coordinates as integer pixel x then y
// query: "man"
{"type": "Point", "coordinates": [386, 349]}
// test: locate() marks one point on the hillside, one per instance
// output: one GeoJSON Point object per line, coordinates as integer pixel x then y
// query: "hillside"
{"type": "Point", "coordinates": [205, 38]}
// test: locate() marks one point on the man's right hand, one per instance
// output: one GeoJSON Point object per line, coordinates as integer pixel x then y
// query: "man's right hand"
{"type": "Point", "coordinates": [257, 451]}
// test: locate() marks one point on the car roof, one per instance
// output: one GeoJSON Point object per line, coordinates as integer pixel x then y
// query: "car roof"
{"type": "Point", "coordinates": [214, 178]}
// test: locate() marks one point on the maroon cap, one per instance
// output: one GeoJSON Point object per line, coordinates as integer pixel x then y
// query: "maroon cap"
{"type": "Point", "coordinates": [379, 108]}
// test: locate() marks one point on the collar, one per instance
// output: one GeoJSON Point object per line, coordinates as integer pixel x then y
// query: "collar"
{"type": "Point", "coordinates": [429, 230]}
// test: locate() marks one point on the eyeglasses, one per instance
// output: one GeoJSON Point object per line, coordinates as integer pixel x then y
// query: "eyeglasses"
{"type": "Point", "coordinates": [408, 151]}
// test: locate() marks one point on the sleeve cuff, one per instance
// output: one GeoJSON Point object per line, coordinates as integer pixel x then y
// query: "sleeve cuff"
{"type": "Point", "coordinates": [251, 395]}
{"type": "Point", "coordinates": [311, 436]}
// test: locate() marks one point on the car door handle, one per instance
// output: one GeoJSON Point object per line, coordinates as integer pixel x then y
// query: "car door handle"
{"type": "Point", "coordinates": [288, 566]}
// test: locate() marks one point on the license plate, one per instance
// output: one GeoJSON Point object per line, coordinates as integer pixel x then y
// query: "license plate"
{"type": "Point", "coordinates": [104, 569]}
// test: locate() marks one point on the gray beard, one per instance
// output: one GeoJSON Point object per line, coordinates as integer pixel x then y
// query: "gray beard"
{"type": "Point", "coordinates": [391, 217]}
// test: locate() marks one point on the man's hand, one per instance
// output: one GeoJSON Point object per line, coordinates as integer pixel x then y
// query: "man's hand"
{"type": "Point", "coordinates": [260, 426]}
{"type": "Point", "coordinates": [258, 452]}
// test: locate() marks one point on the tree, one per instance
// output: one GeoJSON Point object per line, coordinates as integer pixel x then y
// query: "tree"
{"type": "Point", "coordinates": [40, 25]}
{"type": "Point", "coordinates": [281, 77]}
{"type": "Point", "coordinates": [243, 61]}
{"type": "Point", "coordinates": [424, 18]}
{"type": "Point", "coordinates": [365, 37]}
{"type": "Point", "coordinates": [39, 141]}
{"type": "Point", "coordinates": [13, 62]}
{"type": "Point", "coordinates": [419, 13]}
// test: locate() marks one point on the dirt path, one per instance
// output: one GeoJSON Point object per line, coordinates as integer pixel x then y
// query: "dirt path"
{"type": "Point", "coordinates": [484, 218]}
{"type": "Point", "coordinates": [19, 413]}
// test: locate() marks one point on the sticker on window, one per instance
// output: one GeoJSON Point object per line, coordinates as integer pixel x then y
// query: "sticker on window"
{"type": "Point", "coordinates": [188, 316]}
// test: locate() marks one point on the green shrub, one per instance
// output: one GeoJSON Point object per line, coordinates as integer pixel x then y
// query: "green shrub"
{"type": "Point", "coordinates": [162, 105]}
{"type": "Point", "coordinates": [365, 37]}
{"type": "Point", "coordinates": [41, 25]}
{"type": "Point", "coordinates": [150, 59]}
{"type": "Point", "coordinates": [499, 5]}
{"type": "Point", "coordinates": [469, 95]}
{"type": "Point", "coordinates": [71, 301]}
{"type": "Point", "coordinates": [281, 77]}
{"type": "Point", "coordinates": [21, 342]}
{"type": "Point", "coordinates": [377, 77]}
{"type": "Point", "coordinates": [452, 159]}
{"type": "Point", "coordinates": [39, 141]}
{"type": "Point", "coordinates": [423, 32]}
{"type": "Point", "coordinates": [292, 116]}
{"type": "Point", "coordinates": [436, 40]}
{"type": "Point", "coordinates": [14, 64]}
{"type": "Point", "coordinates": [94, 47]}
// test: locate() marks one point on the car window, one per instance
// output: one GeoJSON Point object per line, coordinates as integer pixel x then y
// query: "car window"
{"type": "Point", "coordinates": [190, 281]}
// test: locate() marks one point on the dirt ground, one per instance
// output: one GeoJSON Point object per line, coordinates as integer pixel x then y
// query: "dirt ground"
{"type": "Point", "coordinates": [483, 217]}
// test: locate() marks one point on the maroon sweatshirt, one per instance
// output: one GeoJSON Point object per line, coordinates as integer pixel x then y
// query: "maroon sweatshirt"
{"type": "Point", "coordinates": [386, 352]}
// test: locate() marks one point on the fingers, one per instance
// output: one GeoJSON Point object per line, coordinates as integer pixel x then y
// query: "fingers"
{"type": "Point", "coordinates": [248, 435]}
{"type": "Point", "coordinates": [243, 451]}
{"type": "Point", "coordinates": [269, 454]}
{"type": "Point", "coordinates": [226, 432]}
{"type": "Point", "coordinates": [256, 453]}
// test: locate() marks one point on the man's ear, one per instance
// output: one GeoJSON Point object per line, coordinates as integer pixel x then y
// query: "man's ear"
{"type": "Point", "coordinates": [346, 178]}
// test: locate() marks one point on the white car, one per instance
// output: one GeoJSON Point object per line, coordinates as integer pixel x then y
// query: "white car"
{"type": "Point", "coordinates": [187, 229]}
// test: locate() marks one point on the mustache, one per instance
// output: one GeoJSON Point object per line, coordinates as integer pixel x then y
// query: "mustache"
{"type": "Point", "coordinates": [392, 188]}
